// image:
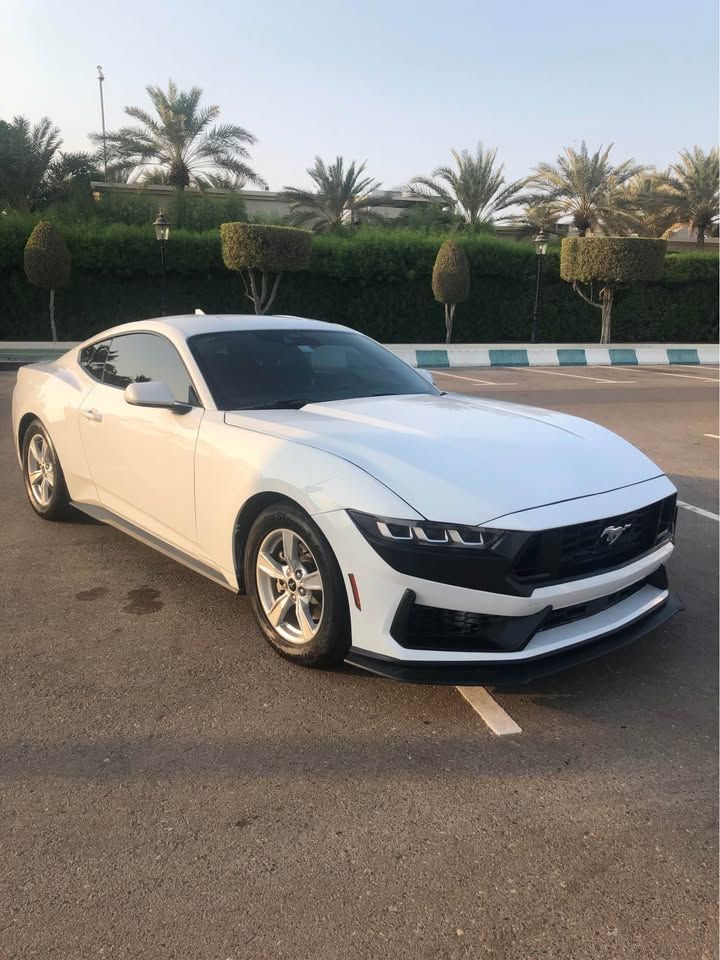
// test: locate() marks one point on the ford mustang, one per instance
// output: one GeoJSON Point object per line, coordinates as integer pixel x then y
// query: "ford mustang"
{"type": "Point", "coordinates": [369, 516]}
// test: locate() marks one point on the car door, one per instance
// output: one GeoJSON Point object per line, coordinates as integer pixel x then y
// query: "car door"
{"type": "Point", "coordinates": [142, 459]}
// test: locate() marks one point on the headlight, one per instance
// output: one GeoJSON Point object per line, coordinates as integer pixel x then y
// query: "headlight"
{"type": "Point", "coordinates": [425, 534]}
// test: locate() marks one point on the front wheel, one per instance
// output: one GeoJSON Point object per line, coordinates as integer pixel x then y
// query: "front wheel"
{"type": "Point", "coordinates": [296, 588]}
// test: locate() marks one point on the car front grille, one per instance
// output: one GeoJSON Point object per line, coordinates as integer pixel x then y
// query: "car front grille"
{"type": "Point", "coordinates": [585, 549]}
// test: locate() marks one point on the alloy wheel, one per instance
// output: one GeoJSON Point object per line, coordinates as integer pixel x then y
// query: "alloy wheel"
{"type": "Point", "coordinates": [40, 470]}
{"type": "Point", "coordinates": [290, 586]}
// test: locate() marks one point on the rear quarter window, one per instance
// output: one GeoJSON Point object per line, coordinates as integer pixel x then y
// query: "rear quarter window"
{"type": "Point", "coordinates": [93, 358]}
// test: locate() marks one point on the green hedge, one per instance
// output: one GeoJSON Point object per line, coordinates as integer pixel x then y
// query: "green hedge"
{"type": "Point", "coordinates": [376, 280]}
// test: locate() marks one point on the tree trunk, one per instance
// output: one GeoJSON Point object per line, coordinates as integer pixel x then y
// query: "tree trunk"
{"type": "Point", "coordinates": [52, 315]}
{"type": "Point", "coordinates": [257, 303]}
{"type": "Point", "coordinates": [262, 299]}
{"type": "Point", "coordinates": [273, 291]}
{"type": "Point", "coordinates": [606, 297]}
{"type": "Point", "coordinates": [700, 241]}
{"type": "Point", "coordinates": [449, 317]}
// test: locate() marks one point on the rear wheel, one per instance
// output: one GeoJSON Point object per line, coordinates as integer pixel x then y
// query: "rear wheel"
{"type": "Point", "coordinates": [295, 587]}
{"type": "Point", "coordinates": [44, 480]}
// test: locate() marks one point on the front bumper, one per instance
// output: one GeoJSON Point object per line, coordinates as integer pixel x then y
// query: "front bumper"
{"type": "Point", "coordinates": [513, 673]}
{"type": "Point", "coordinates": [500, 635]}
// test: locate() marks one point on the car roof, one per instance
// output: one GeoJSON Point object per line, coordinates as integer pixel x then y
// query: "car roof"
{"type": "Point", "coordinates": [188, 325]}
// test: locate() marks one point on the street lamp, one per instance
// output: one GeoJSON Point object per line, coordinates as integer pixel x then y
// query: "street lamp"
{"type": "Point", "coordinates": [162, 233]}
{"type": "Point", "coordinates": [101, 78]}
{"type": "Point", "coordinates": [541, 242]}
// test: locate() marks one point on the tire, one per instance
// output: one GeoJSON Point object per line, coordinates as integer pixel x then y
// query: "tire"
{"type": "Point", "coordinates": [307, 625]}
{"type": "Point", "coordinates": [48, 494]}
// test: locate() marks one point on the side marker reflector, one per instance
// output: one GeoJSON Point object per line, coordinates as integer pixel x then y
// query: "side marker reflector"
{"type": "Point", "coordinates": [355, 591]}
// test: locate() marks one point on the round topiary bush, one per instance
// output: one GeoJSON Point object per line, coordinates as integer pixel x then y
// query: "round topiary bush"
{"type": "Point", "coordinates": [611, 262]}
{"type": "Point", "coordinates": [47, 263]}
{"type": "Point", "coordinates": [450, 281]}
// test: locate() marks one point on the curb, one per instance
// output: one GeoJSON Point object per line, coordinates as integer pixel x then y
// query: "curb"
{"type": "Point", "coordinates": [16, 354]}
{"type": "Point", "coordinates": [475, 355]}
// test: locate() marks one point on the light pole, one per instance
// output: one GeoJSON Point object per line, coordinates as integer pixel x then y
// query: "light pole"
{"type": "Point", "coordinates": [101, 77]}
{"type": "Point", "coordinates": [162, 233]}
{"type": "Point", "coordinates": [541, 242]}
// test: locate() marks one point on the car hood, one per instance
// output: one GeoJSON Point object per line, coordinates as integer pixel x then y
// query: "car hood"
{"type": "Point", "coordinates": [462, 459]}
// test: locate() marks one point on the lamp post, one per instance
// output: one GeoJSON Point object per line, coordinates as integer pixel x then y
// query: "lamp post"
{"type": "Point", "coordinates": [162, 233]}
{"type": "Point", "coordinates": [101, 77]}
{"type": "Point", "coordinates": [541, 242]}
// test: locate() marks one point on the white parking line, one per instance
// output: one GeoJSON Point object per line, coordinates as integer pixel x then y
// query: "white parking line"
{"type": "Point", "coordinates": [694, 366]}
{"type": "Point", "coordinates": [488, 383]}
{"type": "Point", "coordinates": [666, 373]}
{"type": "Point", "coordinates": [573, 376]}
{"type": "Point", "coordinates": [713, 436]}
{"type": "Point", "coordinates": [703, 513]}
{"type": "Point", "coordinates": [500, 722]}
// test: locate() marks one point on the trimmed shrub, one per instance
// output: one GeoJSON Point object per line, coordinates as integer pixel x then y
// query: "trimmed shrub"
{"type": "Point", "coordinates": [616, 260]}
{"type": "Point", "coordinates": [47, 263]}
{"type": "Point", "coordinates": [261, 246]}
{"type": "Point", "coordinates": [611, 262]}
{"type": "Point", "coordinates": [248, 247]}
{"type": "Point", "coordinates": [450, 281]}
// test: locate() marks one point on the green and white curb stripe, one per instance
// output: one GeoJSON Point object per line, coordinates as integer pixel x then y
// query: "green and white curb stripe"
{"type": "Point", "coordinates": [473, 355]}
{"type": "Point", "coordinates": [437, 356]}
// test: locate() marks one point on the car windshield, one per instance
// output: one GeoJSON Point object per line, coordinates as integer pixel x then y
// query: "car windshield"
{"type": "Point", "coordinates": [266, 369]}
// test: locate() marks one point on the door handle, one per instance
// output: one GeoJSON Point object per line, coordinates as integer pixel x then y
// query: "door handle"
{"type": "Point", "coordinates": [92, 414]}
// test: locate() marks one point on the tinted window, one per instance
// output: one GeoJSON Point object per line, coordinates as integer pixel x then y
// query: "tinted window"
{"type": "Point", "coordinates": [266, 368]}
{"type": "Point", "coordinates": [92, 358]}
{"type": "Point", "coordinates": [139, 357]}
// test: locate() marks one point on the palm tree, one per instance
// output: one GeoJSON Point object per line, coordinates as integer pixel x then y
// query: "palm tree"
{"type": "Point", "coordinates": [587, 188]}
{"type": "Point", "coordinates": [474, 186]}
{"type": "Point", "coordinates": [644, 205]}
{"type": "Point", "coordinates": [26, 155]}
{"type": "Point", "coordinates": [67, 170]}
{"type": "Point", "coordinates": [536, 215]}
{"type": "Point", "coordinates": [692, 184]}
{"type": "Point", "coordinates": [341, 196]}
{"type": "Point", "coordinates": [181, 141]}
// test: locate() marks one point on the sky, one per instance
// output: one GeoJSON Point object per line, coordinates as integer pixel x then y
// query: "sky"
{"type": "Point", "coordinates": [395, 83]}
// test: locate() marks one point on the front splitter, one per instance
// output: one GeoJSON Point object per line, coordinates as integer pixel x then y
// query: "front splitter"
{"type": "Point", "coordinates": [471, 673]}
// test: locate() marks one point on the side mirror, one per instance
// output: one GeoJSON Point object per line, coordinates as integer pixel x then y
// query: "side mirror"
{"type": "Point", "coordinates": [426, 375]}
{"type": "Point", "coordinates": [154, 393]}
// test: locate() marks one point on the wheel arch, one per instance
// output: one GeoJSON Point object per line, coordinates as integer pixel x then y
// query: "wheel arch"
{"type": "Point", "coordinates": [25, 421]}
{"type": "Point", "coordinates": [248, 514]}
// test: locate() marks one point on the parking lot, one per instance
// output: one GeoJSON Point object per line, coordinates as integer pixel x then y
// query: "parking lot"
{"type": "Point", "coordinates": [170, 788]}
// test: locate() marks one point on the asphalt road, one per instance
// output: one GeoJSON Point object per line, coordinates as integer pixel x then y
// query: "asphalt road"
{"type": "Point", "coordinates": [169, 788]}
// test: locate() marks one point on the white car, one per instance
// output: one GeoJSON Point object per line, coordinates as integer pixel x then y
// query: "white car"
{"type": "Point", "coordinates": [369, 516]}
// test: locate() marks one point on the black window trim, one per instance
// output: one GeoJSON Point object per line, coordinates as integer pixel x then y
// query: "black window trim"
{"type": "Point", "coordinates": [134, 333]}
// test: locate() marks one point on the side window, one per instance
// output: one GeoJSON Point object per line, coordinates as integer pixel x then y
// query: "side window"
{"type": "Point", "coordinates": [139, 357]}
{"type": "Point", "coordinates": [92, 358]}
